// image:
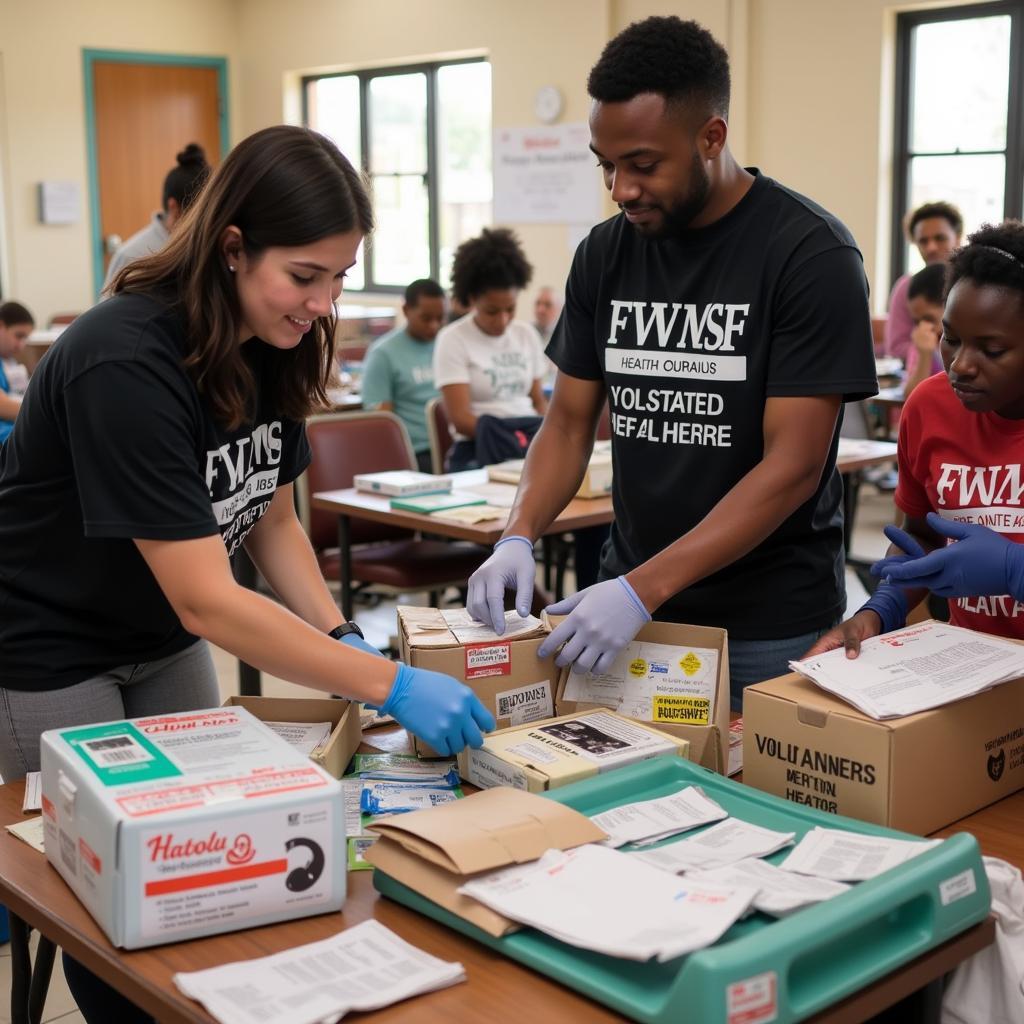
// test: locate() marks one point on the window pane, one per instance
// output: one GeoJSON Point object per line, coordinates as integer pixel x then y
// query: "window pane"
{"type": "Point", "coordinates": [973, 183]}
{"type": "Point", "coordinates": [398, 124]}
{"type": "Point", "coordinates": [355, 278]}
{"type": "Point", "coordinates": [401, 249]}
{"type": "Point", "coordinates": [464, 155]}
{"type": "Point", "coordinates": [960, 70]}
{"type": "Point", "coordinates": [333, 105]}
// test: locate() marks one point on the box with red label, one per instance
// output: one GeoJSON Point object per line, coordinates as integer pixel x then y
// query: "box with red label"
{"type": "Point", "coordinates": [514, 684]}
{"type": "Point", "coordinates": [190, 824]}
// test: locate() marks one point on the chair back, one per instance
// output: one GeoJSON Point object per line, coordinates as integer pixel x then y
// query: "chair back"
{"type": "Point", "coordinates": [61, 319]}
{"type": "Point", "coordinates": [439, 433]}
{"type": "Point", "coordinates": [344, 445]}
{"type": "Point", "coordinates": [878, 331]}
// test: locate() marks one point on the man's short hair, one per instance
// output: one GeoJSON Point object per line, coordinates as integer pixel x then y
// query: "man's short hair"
{"type": "Point", "coordinates": [947, 211]}
{"type": "Point", "coordinates": [423, 288]}
{"type": "Point", "coordinates": [14, 313]}
{"type": "Point", "coordinates": [929, 284]}
{"type": "Point", "coordinates": [677, 59]}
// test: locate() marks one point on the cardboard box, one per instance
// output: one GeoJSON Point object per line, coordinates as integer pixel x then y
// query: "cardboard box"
{"type": "Point", "coordinates": [402, 483]}
{"type": "Point", "coordinates": [511, 681]}
{"type": "Point", "coordinates": [545, 755]}
{"type": "Point", "coordinates": [185, 825]}
{"type": "Point", "coordinates": [597, 481]}
{"type": "Point", "coordinates": [916, 774]}
{"type": "Point", "coordinates": [709, 744]}
{"type": "Point", "coordinates": [433, 852]}
{"type": "Point", "coordinates": [344, 715]}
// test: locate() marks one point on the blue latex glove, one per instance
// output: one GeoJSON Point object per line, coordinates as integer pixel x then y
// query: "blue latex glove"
{"type": "Point", "coordinates": [981, 562]}
{"type": "Point", "coordinates": [356, 641]}
{"type": "Point", "coordinates": [601, 620]}
{"type": "Point", "coordinates": [438, 709]}
{"type": "Point", "coordinates": [902, 540]}
{"type": "Point", "coordinates": [510, 567]}
{"type": "Point", "coordinates": [889, 602]}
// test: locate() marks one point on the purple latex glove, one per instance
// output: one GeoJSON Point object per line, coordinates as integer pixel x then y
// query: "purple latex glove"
{"type": "Point", "coordinates": [510, 567]}
{"type": "Point", "coordinates": [906, 543]}
{"type": "Point", "coordinates": [601, 620]}
{"type": "Point", "coordinates": [981, 562]}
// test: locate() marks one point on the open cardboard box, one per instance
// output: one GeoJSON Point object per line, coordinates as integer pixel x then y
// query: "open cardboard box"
{"type": "Point", "coordinates": [709, 744]}
{"type": "Point", "coordinates": [346, 734]}
{"type": "Point", "coordinates": [511, 681]}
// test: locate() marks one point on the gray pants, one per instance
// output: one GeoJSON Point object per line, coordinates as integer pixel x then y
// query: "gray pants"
{"type": "Point", "coordinates": [185, 681]}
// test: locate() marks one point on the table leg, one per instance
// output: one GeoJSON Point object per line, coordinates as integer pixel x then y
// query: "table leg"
{"type": "Point", "coordinates": [345, 565]}
{"type": "Point", "coordinates": [250, 680]}
{"type": "Point", "coordinates": [28, 984]}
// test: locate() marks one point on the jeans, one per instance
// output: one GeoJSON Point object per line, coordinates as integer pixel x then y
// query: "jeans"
{"type": "Point", "coordinates": [751, 661]}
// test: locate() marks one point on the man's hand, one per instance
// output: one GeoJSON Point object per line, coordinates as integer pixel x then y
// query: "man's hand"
{"type": "Point", "coordinates": [849, 634]}
{"type": "Point", "coordinates": [510, 567]}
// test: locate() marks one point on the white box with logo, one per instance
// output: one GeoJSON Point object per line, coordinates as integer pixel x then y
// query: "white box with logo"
{"type": "Point", "coordinates": [185, 825]}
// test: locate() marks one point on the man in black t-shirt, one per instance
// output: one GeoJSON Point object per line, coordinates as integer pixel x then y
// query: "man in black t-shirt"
{"type": "Point", "coordinates": [725, 318]}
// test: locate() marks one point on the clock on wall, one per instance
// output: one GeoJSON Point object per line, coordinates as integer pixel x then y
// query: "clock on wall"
{"type": "Point", "coordinates": [547, 104]}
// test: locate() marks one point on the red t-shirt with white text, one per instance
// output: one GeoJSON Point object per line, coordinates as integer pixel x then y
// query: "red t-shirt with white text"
{"type": "Point", "coordinates": [965, 466]}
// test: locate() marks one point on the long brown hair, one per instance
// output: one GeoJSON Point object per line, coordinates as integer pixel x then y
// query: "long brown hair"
{"type": "Point", "coordinates": [283, 186]}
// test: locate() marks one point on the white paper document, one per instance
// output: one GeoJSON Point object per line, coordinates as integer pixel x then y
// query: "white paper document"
{"type": "Point", "coordinates": [468, 631]}
{"type": "Point", "coordinates": [362, 968]}
{"type": "Point", "coordinates": [850, 856]}
{"type": "Point", "coordinates": [916, 668]}
{"type": "Point", "coordinates": [648, 821]}
{"type": "Point", "coordinates": [725, 843]}
{"type": "Point", "coordinates": [33, 800]}
{"type": "Point", "coordinates": [305, 736]}
{"type": "Point", "coordinates": [612, 903]}
{"type": "Point", "coordinates": [735, 748]}
{"type": "Point", "coordinates": [29, 831]}
{"type": "Point", "coordinates": [778, 892]}
{"type": "Point", "coordinates": [653, 683]}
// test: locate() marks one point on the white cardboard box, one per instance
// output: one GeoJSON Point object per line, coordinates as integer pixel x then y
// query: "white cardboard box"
{"type": "Point", "coordinates": [186, 825]}
{"type": "Point", "coordinates": [399, 483]}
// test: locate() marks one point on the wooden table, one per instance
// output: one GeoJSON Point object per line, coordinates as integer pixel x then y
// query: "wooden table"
{"type": "Point", "coordinates": [499, 990]}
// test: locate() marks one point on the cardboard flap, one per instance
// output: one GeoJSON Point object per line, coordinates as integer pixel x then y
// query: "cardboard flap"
{"type": "Point", "coordinates": [425, 627]}
{"type": "Point", "coordinates": [490, 829]}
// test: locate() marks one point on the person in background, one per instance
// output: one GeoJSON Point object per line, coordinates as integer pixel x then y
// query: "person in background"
{"type": "Point", "coordinates": [925, 301]}
{"type": "Point", "coordinates": [489, 363]}
{"type": "Point", "coordinates": [546, 308]}
{"type": "Point", "coordinates": [960, 442]}
{"type": "Point", "coordinates": [399, 373]}
{"type": "Point", "coordinates": [935, 228]}
{"type": "Point", "coordinates": [181, 186]}
{"type": "Point", "coordinates": [16, 324]}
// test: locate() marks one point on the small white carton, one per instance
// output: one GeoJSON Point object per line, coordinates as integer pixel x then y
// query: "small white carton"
{"type": "Point", "coordinates": [189, 824]}
{"type": "Point", "coordinates": [402, 483]}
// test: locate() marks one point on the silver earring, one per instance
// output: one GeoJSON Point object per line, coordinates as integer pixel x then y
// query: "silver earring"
{"type": "Point", "coordinates": [232, 269]}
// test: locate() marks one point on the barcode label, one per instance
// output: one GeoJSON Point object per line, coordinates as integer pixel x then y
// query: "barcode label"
{"type": "Point", "coordinates": [116, 750]}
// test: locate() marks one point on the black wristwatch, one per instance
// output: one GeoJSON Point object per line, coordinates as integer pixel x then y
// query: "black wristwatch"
{"type": "Point", "coordinates": [339, 632]}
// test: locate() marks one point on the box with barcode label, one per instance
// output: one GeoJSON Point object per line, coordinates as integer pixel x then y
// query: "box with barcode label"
{"type": "Point", "coordinates": [182, 825]}
{"type": "Point", "coordinates": [513, 684]}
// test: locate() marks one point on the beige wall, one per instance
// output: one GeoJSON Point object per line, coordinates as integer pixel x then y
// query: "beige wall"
{"type": "Point", "coordinates": [42, 121]}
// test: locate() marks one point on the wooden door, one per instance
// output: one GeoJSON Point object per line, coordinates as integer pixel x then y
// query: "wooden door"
{"type": "Point", "coordinates": [144, 115]}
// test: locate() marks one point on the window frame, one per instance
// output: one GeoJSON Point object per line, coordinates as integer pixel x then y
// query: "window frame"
{"type": "Point", "coordinates": [1013, 184]}
{"type": "Point", "coordinates": [432, 175]}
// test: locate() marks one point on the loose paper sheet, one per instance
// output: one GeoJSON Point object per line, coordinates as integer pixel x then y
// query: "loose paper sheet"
{"type": "Point", "coordinates": [850, 856]}
{"type": "Point", "coordinates": [30, 831]}
{"type": "Point", "coordinates": [725, 843]}
{"type": "Point", "coordinates": [362, 968]}
{"type": "Point", "coordinates": [468, 631]}
{"type": "Point", "coordinates": [651, 820]}
{"type": "Point", "coordinates": [305, 736]}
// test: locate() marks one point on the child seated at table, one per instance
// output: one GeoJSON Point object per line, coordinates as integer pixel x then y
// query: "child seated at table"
{"type": "Point", "coordinates": [16, 324]}
{"type": "Point", "coordinates": [960, 444]}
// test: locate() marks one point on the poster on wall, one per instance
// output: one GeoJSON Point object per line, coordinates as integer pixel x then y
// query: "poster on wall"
{"type": "Point", "coordinates": [546, 175]}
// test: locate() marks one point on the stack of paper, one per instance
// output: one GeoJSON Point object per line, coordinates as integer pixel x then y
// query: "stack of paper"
{"type": "Point", "coordinates": [649, 821]}
{"type": "Point", "coordinates": [309, 737]}
{"type": "Point", "coordinates": [612, 903]}
{"type": "Point", "coordinates": [468, 631]}
{"type": "Point", "coordinates": [915, 669]}
{"type": "Point", "coordinates": [850, 856]}
{"type": "Point", "coordinates": [778, 892]}
{"type": "Point", "coordinates": [363, 968]}
{"type": "Point", "coordinates": [726, 843]}
{"type": "Point", "coordinates": [405, 768]}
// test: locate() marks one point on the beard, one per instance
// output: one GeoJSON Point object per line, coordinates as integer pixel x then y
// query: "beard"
{"type": "Point", "coordinates": [678, 217]}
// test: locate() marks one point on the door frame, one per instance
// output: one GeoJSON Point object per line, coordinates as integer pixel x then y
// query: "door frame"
{"type": "Point", "coordinates": [89, 58]}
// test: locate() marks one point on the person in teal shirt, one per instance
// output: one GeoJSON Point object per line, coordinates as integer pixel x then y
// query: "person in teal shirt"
{"type": "Point", "coordinates": [399, 372]}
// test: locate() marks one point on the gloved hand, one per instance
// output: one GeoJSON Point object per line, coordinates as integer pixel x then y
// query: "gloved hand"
{"type": "Point", "coordinates": [902, 540]}
{"type": "Point", "coordinates": [602, 620]}
{"type": "Point", "coordinates": [438, 709]}
{"type": "Point", "coordinates": [981, 562]}
{"type": "Point", "coordinates": [510, 566]}
{"type": "Point", "coordinates": [356, 641]}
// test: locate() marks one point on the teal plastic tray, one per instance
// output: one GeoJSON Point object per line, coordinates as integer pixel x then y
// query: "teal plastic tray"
{"type": "Point", "coordinates": [817, 956]}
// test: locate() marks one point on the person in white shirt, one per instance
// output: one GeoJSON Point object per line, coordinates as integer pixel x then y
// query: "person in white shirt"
{"type": "Point", "coordinates": [488, 362]}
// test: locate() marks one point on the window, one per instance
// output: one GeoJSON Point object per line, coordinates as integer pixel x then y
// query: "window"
{"type": "Point", "coordinates": [423, 135]}
{"type": "Point", "coordinates": [958, 125]}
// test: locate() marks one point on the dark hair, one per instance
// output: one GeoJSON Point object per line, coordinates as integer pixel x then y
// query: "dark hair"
{"type": "Point", "coordinates": [184, 182]}
{"type": "Point", "coordinates": [677, 59]}
{"type": "Point", "coordinates": [994, 254]}
{"type": "Point", "coordinates": [947, 211]}
{"type": "Point", "coordinates": [929, 284]}
{"type": "Point", "coordinates": [494, 259]}
{"type": "Point", "coordinates": [423, 288]}
{"type": "Point", "coordinates": [12, 313]}
{"type": "Point", "coordinates": [283, 186]}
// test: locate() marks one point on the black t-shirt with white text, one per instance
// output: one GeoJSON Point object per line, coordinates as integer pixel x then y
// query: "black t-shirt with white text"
{"type": "Point", "coordinates": [114, 442]}
{"type": "Point", "coordinates": [691, 335]}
